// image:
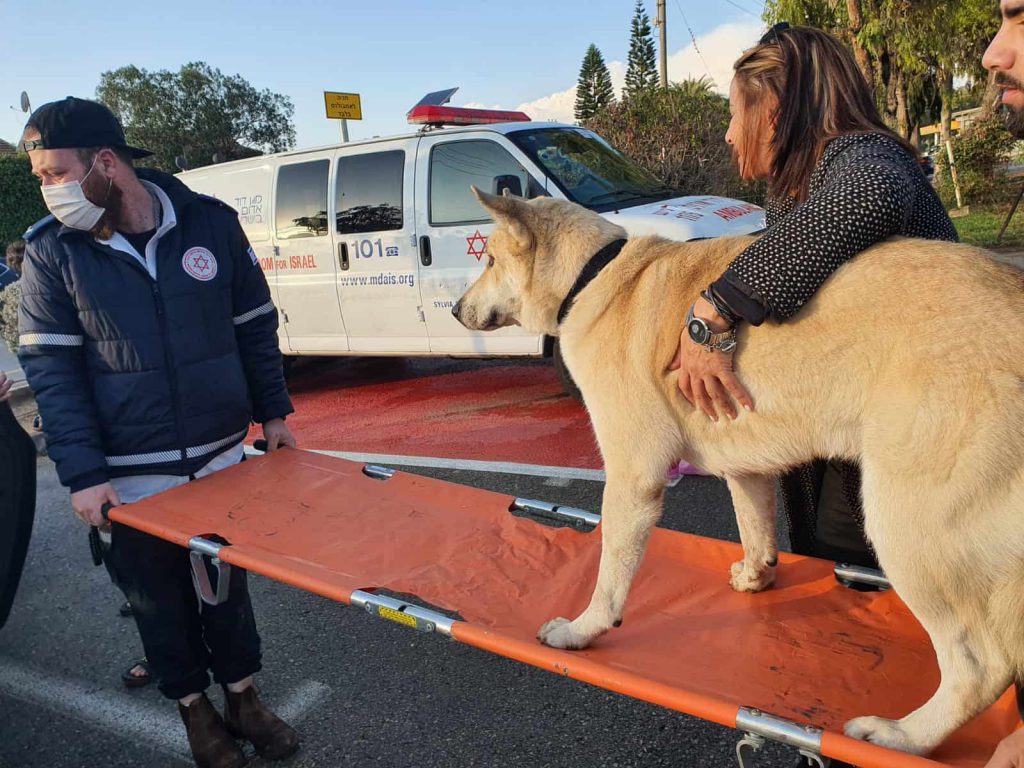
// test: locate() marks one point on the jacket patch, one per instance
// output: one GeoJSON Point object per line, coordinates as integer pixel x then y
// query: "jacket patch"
{"type": "Point", "coordinates": [199, 263]}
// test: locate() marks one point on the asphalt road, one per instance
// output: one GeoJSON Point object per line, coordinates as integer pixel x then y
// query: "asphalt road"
{"type": "Point", "coordinates": [363, 692]}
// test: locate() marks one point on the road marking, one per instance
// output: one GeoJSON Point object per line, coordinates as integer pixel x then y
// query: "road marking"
{"type": "Point", "coordinates": [471, 465]}
{"type": "Point", "coordinates": [124, 716]}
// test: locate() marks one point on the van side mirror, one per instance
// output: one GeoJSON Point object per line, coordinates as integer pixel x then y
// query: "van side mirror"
{"type": "Point", "coordinates": [509, 182]}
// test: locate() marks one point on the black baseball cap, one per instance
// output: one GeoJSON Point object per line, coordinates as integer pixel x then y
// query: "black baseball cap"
{"type": "Point", "coordinates": [77, 124]}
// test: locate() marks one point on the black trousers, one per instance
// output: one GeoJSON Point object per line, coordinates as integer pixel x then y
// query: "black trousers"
{"type": "Point", "coordinates": [184, 639]}
{"type": "Point", "coordinates": [821, 502]}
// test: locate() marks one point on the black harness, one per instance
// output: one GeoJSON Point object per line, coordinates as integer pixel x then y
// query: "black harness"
{"type": "Point", "coordinates": [591, 269]}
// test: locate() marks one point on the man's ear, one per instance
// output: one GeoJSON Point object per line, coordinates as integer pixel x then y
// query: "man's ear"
{"type": "Point", "coordinates": [511, 211]}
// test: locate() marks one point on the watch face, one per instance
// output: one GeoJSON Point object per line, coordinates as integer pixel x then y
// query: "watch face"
{"type": "Point", "coordinates": [698, 331]}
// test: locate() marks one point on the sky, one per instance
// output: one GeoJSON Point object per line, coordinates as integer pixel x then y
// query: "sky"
{"type": "Point", "coordinates": [523, 54]}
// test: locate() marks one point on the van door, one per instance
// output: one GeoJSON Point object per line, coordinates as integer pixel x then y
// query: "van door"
{"type": "Point", "coordinates": [378, 283]}
{"type": "Point", "coordinates": [304, 263]}
{"type": "Point", "coordinates": [452, 229]}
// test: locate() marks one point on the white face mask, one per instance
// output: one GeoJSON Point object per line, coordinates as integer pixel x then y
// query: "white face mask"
{"type": "Point", "coordinates": [70, 205]}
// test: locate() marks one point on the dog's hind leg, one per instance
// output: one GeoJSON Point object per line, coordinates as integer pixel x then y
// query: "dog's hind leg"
{"type": "Point", "coordinates": [753, 498]}
{"type": "Point", "coordinates": [629, 510]}
{"type": "Point", "coordinates": [936, 582]}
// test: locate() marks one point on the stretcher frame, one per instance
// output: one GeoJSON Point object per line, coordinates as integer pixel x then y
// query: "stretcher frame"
{"type": "Point", "coordinates": [211, 562]}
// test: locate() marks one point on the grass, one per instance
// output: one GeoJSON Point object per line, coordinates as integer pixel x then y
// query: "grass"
{"type": "Point", "coordinates": [982, 226]}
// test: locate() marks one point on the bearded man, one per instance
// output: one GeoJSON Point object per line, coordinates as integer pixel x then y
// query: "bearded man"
{"type": "Point", "coordinates": [149, 338]}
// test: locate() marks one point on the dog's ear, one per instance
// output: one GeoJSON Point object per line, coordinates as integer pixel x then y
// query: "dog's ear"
{"type": "Point", "coordinates": [511, 211]}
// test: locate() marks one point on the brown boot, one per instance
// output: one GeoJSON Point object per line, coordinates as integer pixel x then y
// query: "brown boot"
{"type": "Point", "coordinates": [248, 718]}
{"type": "Point", "coordinates": [212, 745]}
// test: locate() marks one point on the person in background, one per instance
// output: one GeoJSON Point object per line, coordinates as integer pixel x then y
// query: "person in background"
{"type": "Point", "coordinates": [149, 338]}
{"type": "Point", "coordinates": [11, 270]}
{"type": "Point", "coordinates": [1005, 57]}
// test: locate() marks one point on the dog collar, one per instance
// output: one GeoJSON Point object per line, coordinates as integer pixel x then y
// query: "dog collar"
{"type": "Point", "coordinates": [591, 269]}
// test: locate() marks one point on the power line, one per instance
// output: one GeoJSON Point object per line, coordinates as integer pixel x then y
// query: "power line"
{"type": "Point", "coordinates": [693, 37]}
{"type": "Point", "coordinates": [745, 10]}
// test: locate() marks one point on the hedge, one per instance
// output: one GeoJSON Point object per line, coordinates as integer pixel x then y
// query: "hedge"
{"type": "Point", "coordinates": [21, 205]}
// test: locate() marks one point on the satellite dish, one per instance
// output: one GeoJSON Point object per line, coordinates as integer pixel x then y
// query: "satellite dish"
{"type": "Point", "coordinates": [26, 105]}
{"type": "Point", "coordinates": [217, 158]}
{"type": "Point", "coordinates": [181, 162]}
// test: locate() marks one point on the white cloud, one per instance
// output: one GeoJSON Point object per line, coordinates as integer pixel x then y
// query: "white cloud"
{"type": "Point", "coordinates": [720, 48]}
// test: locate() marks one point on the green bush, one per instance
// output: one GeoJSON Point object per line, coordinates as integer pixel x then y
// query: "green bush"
{"type": "Point", "coordinates": [10, 299]}
{"type": "Point", "coordinates": [980, 151]}
{"type": "Point", "coordinates": [678, 134]}
{"type": "Point", "coordinates": [21, 205]}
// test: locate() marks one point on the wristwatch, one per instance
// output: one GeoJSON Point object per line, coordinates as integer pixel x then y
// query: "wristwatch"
{"type": "Point", "coordinates": [700, 333]}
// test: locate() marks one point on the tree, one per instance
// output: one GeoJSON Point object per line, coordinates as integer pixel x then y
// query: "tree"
{"type": "Point", "coordinates": [594, 90]}
{"type": "Point", "coordinates": [678, 134]}
{"type": "Point", "coordinates": [197, 112]}
{"type": "Point", "coordinates": [641, 72]}
{"type": "Point", "coordinates": [21, 204]}
{"type": "Point", "coordinates": [908, 51]}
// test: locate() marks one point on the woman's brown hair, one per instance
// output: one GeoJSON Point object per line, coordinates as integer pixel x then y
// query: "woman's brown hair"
{"type": "Point", "coordinates": [819, 93]}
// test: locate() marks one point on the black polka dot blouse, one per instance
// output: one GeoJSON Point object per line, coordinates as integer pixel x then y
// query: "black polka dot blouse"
{"type": "Point", "coordinates": [865, 188]}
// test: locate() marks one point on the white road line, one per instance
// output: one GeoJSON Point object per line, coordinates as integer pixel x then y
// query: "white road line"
{"type": "Point", "coordinates": [308, 695]}
{"type": "Point", "coordinates": [138, 721]}
{"type": "Point", "coordinates": [158, 727]}
{"type": "Point", "coordinates": [472, 465]}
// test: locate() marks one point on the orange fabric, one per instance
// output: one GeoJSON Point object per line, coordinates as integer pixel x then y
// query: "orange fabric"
{"type": "Point", "coordinates": [807, 650]}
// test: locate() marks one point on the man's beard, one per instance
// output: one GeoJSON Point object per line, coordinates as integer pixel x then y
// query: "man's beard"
{"type": "Point", "coordinates": [1014, 117]}
{"type": "Point", "coordinates": [110, 200]}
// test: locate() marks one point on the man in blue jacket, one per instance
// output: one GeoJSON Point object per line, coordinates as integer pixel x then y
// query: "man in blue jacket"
{"type": "Point", "coordinates": [149, 338]}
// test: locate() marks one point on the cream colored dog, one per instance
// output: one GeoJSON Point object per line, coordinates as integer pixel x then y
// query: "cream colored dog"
{"type": "Point", "coordinates": [909, 360]}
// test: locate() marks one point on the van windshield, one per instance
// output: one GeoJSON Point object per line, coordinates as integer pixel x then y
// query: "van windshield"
{"type": "Point", "coordinates": [589, 170]}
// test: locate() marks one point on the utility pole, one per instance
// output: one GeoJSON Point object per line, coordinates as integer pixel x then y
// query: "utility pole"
{"type": "Point", "coordinates": [659, 22]}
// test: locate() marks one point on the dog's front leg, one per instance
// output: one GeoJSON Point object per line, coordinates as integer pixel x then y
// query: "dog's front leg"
{"type": "Point", "coordinates": [629, 510]}
{"type": "Point", "coordinates": [753, 498]}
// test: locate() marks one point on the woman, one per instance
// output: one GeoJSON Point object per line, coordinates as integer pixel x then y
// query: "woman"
{"type": "Point", "coordinates": [839, 181]}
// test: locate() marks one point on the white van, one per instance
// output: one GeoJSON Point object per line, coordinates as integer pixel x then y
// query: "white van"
{"type": "Point", "coordinates": [367, 245]}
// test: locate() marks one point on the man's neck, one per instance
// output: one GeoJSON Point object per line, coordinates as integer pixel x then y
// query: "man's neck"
{"type": "Point", "coordinates": [138, 212]}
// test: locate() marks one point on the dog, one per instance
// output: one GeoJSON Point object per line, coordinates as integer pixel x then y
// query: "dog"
{"type": "Point", "coordinates": [909, 360]}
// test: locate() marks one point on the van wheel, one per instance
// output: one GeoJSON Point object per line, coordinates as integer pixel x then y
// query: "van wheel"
{"type": "Point", "coordinates": [563, 374]}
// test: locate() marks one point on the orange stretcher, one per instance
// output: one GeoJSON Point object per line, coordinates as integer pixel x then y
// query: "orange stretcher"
{"type": "Point", "coordinates": [790, 665]}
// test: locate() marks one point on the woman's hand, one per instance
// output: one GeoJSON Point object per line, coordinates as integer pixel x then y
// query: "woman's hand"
{"type": "Point", "coordinates": [5, 387]}
{"type": "Point", "coordinates": [706, 378]}
{"type": "Point", "coordinates": [1010, 753]}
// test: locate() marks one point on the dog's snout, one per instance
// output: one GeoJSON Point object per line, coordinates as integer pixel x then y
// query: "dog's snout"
{"type": "Point", "coordinates": [455, 309]}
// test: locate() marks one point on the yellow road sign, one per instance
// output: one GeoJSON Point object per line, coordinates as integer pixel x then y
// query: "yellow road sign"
{"type": "Point", "coordinates": [343, 106]}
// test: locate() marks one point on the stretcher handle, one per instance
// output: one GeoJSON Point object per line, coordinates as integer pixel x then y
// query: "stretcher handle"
{"type": "Point", "coordinates": [260, 445]}
{"type": "Point", "coordinates": [105, 510]}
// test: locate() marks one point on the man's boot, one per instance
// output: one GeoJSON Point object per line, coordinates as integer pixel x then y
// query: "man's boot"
{"type": "Point", "coordinates": [212, 745]}
{"type": "Point", "coordinates": [246, 717]}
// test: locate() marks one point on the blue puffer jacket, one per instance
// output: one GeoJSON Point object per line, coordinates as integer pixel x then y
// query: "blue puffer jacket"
{"type": "Point", "coordinates": [139, 376]}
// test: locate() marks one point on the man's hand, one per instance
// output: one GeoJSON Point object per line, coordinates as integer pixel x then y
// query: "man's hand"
{"type": "Point", "coordinates": [89, 503]}
{"type": "Point", "coordinates": [706, 378]}
{"type": "Point", "coordinates": [1010, 752]}
{"type": "Point", "coordinates": [5, 387]}
{"type": "Point", "coordinates": [277, 434]}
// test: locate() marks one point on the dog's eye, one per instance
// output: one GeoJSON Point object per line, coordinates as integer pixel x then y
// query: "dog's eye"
{"type": "Point", "coordinates": [490, 261]}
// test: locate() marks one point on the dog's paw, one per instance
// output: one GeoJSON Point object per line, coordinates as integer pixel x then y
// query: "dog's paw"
{"type": "Point", "coordinates": [884, 733]}
{"type": "Point", "coordinates": [559, 633]}
{"type": "Point", "coordinates": [746, 579]}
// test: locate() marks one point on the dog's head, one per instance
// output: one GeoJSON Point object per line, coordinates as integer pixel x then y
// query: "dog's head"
{"type": "Point", "coordinates": [534, 255]}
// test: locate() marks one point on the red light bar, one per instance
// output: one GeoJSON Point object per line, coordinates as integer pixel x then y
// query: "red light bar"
{"type": "Point", "coordinates": [437, 115]}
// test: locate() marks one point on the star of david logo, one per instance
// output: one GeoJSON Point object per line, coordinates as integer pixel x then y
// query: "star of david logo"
{"type": "Point", "coordinates": [201, 263]}
{"type": "Point", "coordinates": [477, 245]}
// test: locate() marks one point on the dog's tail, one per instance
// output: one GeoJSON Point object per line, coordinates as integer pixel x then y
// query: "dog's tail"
{"type": "Point", "coordinates": [1006, 614]}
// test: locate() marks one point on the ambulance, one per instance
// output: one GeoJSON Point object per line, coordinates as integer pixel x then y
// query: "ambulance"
{"type": "Point", "coordinates": [367, 245]}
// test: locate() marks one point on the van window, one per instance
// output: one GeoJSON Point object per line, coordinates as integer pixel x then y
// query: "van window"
{"type": "Point", "coordinates": [301, 206]}
{"type": "Point", "coordinates": [369, 193]}
{"type": "Point", "coordinates": [455, 166]}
